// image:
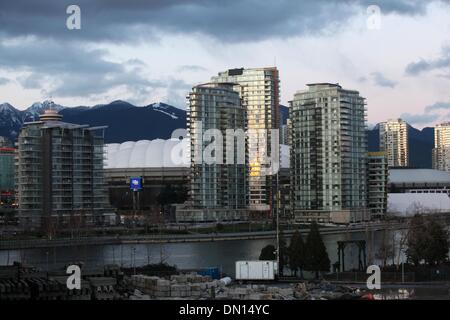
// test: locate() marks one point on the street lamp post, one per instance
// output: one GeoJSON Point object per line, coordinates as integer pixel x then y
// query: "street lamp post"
{"type": "Point", "coordinates": [403, 271]}
{"type": "Point", "coordinates": [134, 260]}
{"type": "Point", "coordinates": [278, 227]}
{"type": "Point", "coordinates": [46, 253]}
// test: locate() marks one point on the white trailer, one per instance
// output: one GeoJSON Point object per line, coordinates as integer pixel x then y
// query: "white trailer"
{"type": "Point", "coordinates": [256, 270]}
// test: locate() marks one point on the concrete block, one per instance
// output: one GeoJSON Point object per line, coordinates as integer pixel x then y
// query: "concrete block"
{"type": "Point", "coordinates": [162, 282]}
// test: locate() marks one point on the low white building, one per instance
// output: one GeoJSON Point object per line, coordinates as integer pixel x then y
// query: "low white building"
{"type": "Point", "coordinates": [419, 181]}
{"type": "Point", "coordinates": [409, 204]}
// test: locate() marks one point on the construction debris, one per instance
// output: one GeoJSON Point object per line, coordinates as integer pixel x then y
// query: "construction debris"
{"type": "Point", "coordinates": [193, 286]}
{"type": "Point", "coordinates": [179, 286]}
{"type": "Point", "coordinates": [110, 283]}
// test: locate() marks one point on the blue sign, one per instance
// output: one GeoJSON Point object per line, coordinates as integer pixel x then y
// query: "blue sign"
{"type": "Point", "coordinates": [136, 183]}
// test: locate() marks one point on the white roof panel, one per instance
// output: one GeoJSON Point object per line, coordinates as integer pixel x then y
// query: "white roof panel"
{"type": "Point", "coordinates": [418, 176]}
{"type": "Point", "coordinates": [147, 154]}
{"type": "Point", "coordinates": [285, 156]}
{"type": "Point", "coordinates": [409, 204]}
{"type": "Point", "coordinates": [158, 153]}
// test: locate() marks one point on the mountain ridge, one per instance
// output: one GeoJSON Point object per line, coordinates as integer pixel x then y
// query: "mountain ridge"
{"type": "Point", "coordinates": [124, 120]}
{"type": "Point", "coordinates": [127, 122]}
{"type": "Point", "coordinates": [420, 145]}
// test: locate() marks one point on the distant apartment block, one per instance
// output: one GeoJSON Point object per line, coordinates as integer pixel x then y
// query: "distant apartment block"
{"type": "Point", "coordinates": [259, 92]}
{"type": "Point", "coordinates": [378, 176]}
{"type": "Point", "coordinates": [284, 133]}
{"type": "Point", "coordinates": [441, 151]}
{"type": "Point", "coordinates": [328, 155]}
{"type": "Point", "coordinates": [60, 181]}
{"type": "Point", "coordinates": [218, 190]}
{"type": "Point", "coordinates": [5, 142]}
{"type": "Point", "coordinates": [394, 141]}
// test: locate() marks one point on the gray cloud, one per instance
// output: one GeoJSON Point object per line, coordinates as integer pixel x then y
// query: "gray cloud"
{"type": "Point", "coordinates": [419, 118]}
{"type": "Point", "coordinates": [430, 114]}
{"type": "Point", "coordinates": [415, 68]}
{"type": "Point", "coordinates": [233, 20]}
{"type": "Point", "coordinates": [70, 70]}
{"type": "Point", "coordinates": [408, 7]}
{"type": "Point", "coordinates": [362, 79]}
{"type": "Point", "coordinates": [58, 62]}
{"type": "Point", "coordinates": [191, 68]}
{"type": "Point", "coordinates": [4, 81]}
{"type": "Point", "coordinates": [52, 57]}
{"type": "Point", "coordinates": [136, 62]}
{"type": "Point", "coordinates": [438, 106]}
{"type": "Point", "coordinates": [176, 93]}
{"type": "Point", "coordinates": [32, 81]}
{"type": "Point", "coordinates": [382, 81]}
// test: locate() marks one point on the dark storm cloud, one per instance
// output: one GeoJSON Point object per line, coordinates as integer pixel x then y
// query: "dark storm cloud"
{"type": "Point", "coordinates": [408, 7]}
{"type": "Point", "coordinates": [231, 20]}
{"type": "Point", "coordinates": [34, 39]}
{"type": "Point", "coordinates": [54, 57]}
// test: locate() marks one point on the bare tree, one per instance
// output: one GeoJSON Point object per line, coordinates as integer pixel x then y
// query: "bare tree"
{"type": "Point", "coordinates": [402, 244]}
{"type": "Point", "coordinates": [386, 250]}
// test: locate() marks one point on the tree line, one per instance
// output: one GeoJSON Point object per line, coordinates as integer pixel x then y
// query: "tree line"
{"type": "Point", "coordinates": [310, 255]}
{"type": "Point", "coordinates": [427, 241]}
{"type": "Point", "coordinates": [424, 242]}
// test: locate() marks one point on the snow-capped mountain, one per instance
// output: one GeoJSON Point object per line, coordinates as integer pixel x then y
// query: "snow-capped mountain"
{"type": "Point", "coordinates": [11, 120]}
{"type": "Point", "coordinates": [7, 111]}
{"type": "Point", "coordinates": [125, 121]}
{"type": "Point", "coordinates": [33, 112]}
{"type": "Point", "coordinates": [173, 112]}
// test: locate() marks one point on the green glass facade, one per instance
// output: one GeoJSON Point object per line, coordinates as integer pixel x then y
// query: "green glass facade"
{"type": "Point", "coordinates": [328, 153]}
{"type": "Point", "coordinates": [259, 91]}
{"type": "Point", "coordinates": [7, 169]}
{"type": "Point", "coordinates": [216, 185]}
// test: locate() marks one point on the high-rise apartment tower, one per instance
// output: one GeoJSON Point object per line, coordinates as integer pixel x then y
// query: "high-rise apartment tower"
{"type": "Point", "coordinates": [328, 154]}
{"type": "Point", "coordinates": [441, 151]}
{"type": "Point", "coordinates": [59, 175]}
{"type": "Point", "coordinates": [394, 141]}
{"type": "Point", "coordinates": [259, 91]}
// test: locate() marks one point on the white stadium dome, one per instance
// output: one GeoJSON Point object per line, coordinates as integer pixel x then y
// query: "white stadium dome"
{"type": "Point", "coordinates": [158, 154]}
{"type": "Point", "coordinates": [148, 154]}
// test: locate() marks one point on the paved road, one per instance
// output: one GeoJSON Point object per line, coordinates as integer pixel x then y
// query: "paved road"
{"type": "Point", "coordinates": [177, 238]}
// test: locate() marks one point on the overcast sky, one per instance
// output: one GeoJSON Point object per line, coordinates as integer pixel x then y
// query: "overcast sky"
{"type": "Point", "coordinates": [156, 50]}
